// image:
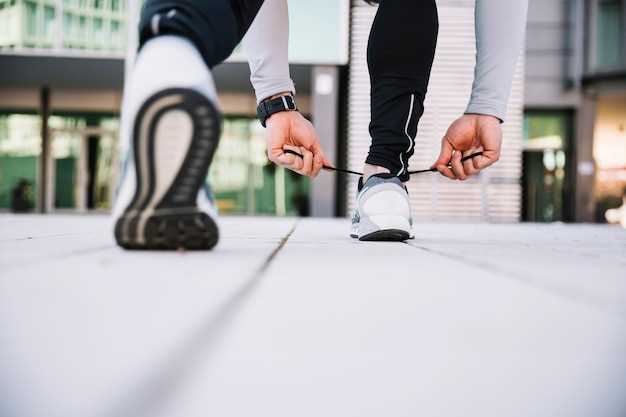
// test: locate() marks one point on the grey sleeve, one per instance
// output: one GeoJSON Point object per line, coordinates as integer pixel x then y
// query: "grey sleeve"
{"type": "Point", "coordinates": [500, 31]}
{"type": "Point", "coordinates": [267, 46]}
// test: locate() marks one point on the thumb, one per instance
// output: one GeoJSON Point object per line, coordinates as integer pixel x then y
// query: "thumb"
{"type": "Point", "coordinates": [445, 156]}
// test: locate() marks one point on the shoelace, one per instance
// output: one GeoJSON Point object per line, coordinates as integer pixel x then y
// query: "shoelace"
{"type": "Point", "coordinates": [347, 171]}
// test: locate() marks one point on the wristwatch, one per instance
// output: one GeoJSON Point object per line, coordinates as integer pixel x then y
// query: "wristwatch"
{"type": "Point", "coordinates": [270, 106]}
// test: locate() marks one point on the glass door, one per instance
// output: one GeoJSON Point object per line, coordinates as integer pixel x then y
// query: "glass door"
{"type": "Point", "coordinates": [547, 162]}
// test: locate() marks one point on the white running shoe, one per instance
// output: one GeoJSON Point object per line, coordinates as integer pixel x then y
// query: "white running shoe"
{"type": "Point", "coordinates": [383, 210]}
{"type": "Point", "coordinates": [171, 133]}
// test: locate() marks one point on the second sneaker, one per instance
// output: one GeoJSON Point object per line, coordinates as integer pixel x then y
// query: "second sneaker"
{"type": "Point", "coordinates": [383, 210]}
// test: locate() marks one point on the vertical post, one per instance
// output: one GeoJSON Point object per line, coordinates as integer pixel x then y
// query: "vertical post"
{"type": "Point", "coordinates": [132, 38]}
{"type": "Point", "coordinates": [325, 108]}
{"type": "Point", "coordinates": [59, 35]}
{"type": "Point", "coordinates": [92, 145]}
{"type": "Point", "coordinates": [82, 174]}
{"type": "Point", "coordinates": [279, 191]}
{"type": "Point", "coordinates": [44, 157]}
{"type": "Point", "coordinates": [624, 34]}
{"type": "Point", "coordinates": [575, 64]}
{"type": "Point", "coordinates": [585, 165]}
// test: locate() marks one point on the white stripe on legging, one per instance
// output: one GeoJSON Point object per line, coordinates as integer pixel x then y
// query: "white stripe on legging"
{"type": "Point", "coordinates": [406, 132]}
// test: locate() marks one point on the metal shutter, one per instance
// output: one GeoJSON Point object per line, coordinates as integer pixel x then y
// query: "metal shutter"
{"type": "Point", "coordinates": [495, 195]}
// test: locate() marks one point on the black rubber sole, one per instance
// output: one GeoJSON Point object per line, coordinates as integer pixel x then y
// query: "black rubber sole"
{"type": "Point", "coordinates": [390, 235]}
{"type": "Point", "coordinates": [174, 222]}
{"type": "Point", "coordinates": [190, 231]}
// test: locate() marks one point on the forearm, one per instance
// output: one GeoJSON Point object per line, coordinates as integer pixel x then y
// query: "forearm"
{"type": "Point", "coordinates": [500, 30]}
{"type": "Point", "coordinates": [267, 47]}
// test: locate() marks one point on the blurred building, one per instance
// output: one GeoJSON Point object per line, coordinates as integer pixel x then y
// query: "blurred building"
{"type": "Point", "coordinates": [62, 72]}
{"type": "Point", "coordinates": [61, 78]}
{"type": "Point", "coordinates": [575, 109]}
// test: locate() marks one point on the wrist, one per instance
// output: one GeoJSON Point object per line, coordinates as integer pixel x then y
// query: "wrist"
{"type": "Point", "coordinates": [283, 93]}
{"type": "Point", "coordinates": [279, 103]}
{"type": "Point", "coordinates": [489, 118]}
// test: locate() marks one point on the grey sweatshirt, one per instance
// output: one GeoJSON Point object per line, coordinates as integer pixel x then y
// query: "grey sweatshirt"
{"type": "Point", "coordinates": [500, 31]}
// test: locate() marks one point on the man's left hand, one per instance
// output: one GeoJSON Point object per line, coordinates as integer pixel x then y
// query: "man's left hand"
{"type": "Point", "coordinates": [469, 134]}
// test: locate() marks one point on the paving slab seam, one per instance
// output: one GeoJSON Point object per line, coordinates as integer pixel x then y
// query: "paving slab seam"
{"type": "Point", "coordinates": [500, 271]}
{"type": "Point", "coordinates": [61, 256]}
{"type": "Point", "coordinates": [265, 265]}
{"type": "Point", "coordinates": [151, 393]}
{"type": "Point", "coordinates": [17, 239]}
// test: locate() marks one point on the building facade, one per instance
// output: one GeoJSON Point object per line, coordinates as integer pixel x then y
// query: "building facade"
{"type": "Point", "coordinates": [575, 109]}
{"type": "Point", "coordinates": [564, 155]}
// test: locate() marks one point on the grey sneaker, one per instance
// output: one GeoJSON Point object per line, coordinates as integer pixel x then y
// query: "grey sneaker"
{"type": "Point", "coordinates": [383, 210]}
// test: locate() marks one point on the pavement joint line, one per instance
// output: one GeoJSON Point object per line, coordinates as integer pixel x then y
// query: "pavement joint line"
{"type": "Point", "coordinates": [41, 237]}
{"type": "Point", "coordinates": [265, 265]}
{"type": "Point", "coordinates": [66, 255]}
{"type": "Point", "coordinates": [552, 290]}
{"type": "Point", "coordinates": [149, 394]}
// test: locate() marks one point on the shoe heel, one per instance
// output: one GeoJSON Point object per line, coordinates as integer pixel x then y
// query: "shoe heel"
{"type": "Point", "coordinates": [176, 229]}
{"type": "Point", "coordinates": [175, 137]}
{"type": "Point", "coordinates": [384, 228]}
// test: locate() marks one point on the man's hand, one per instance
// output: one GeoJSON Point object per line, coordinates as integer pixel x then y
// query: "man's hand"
{"type": "Point", "coordinates": [290, 130]}
{"type": "Point", "coordinates": [469, 134]}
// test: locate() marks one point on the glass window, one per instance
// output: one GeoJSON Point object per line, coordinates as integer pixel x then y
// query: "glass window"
{"type": "Point", "coordinates": [546, 195]}
{"type": "Point", "coordinates": [82, 24]}
{"type": "Point", "coordinates": [19, 152]}
{"type": "Point", "coordinates": [31, 18]}
{"type": "Point", "coordinates": [544, 131]}
{"type": "Point", "coordinates": [49, 21]}
{"type": "Point", "coordinates": [245, 182]}
{"type": "Point", "coordinates": [610, 35]}
{"type": "Point", "coordinates": [98, 33]}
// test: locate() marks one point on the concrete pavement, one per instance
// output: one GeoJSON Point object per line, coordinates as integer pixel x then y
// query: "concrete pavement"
{"type": "Point", "coordinates": [291, 317]}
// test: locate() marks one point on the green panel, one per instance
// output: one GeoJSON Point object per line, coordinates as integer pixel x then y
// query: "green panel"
{"type": "Point", "coordinates": [31, 18]}
{"type": "Point", "coordinates": [610, 35]}
{"type": "Point", "coordinates": [12, 170]}
{"type": "Point", "coordinates": [65, 182]}
{"type": "Point", "coordinates": [243, 180]}
{"type": "Point", "coordinates": [265, 202]}
{"type": "Point", "coordinates": [545, 130]}
{"type": "Point", "coordinates": [297, 194]}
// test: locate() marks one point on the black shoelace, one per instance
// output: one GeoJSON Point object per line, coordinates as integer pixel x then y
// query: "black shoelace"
{"type": "Point", "coordinates": [347, 171]}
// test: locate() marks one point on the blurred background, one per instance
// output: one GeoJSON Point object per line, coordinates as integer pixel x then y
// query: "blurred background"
{"type": "Point", "coordinates": [62, 71]}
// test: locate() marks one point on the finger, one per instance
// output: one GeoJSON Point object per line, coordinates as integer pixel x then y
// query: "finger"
{"type": "Point", "coordinates": [319, 158]}
{"type": "Point", "coordinates": [489, 157]}
{"type": "Point", "coordinates": [491, 140]}
{"type": "Point", "coordinates": [457, 166]}
{"type": "Point", "coordinates": [446, 153]}
{"type": "Point", "coordinates": [307, 162]}
{"type": "Point", "coordinates": [468, 165]}
{"type": "Point", "coordinates": [290, 161]}
{"type": "Point", "coordinates": [283, 159]}
{"type": "Point", "coordinates": [446, 171]}
{"type": "Point", "coordinates": [475, 159]}
{"type": "Point", "coordinates": [318, 162]}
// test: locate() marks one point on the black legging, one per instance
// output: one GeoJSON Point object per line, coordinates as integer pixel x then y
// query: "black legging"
{"type": "Point", "coordinates": [399, 56]}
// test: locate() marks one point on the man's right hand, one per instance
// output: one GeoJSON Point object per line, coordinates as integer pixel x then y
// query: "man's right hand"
{"type": "Point", "coordinates": [290, 130]}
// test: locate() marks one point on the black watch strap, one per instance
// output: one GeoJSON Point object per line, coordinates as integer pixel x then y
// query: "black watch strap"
{"type": "Point", "coordinates": [274, 105]}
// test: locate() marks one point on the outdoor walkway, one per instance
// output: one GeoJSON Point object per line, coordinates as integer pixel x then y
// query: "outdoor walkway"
{"type": "Point", "coordinates": [291, 318]}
